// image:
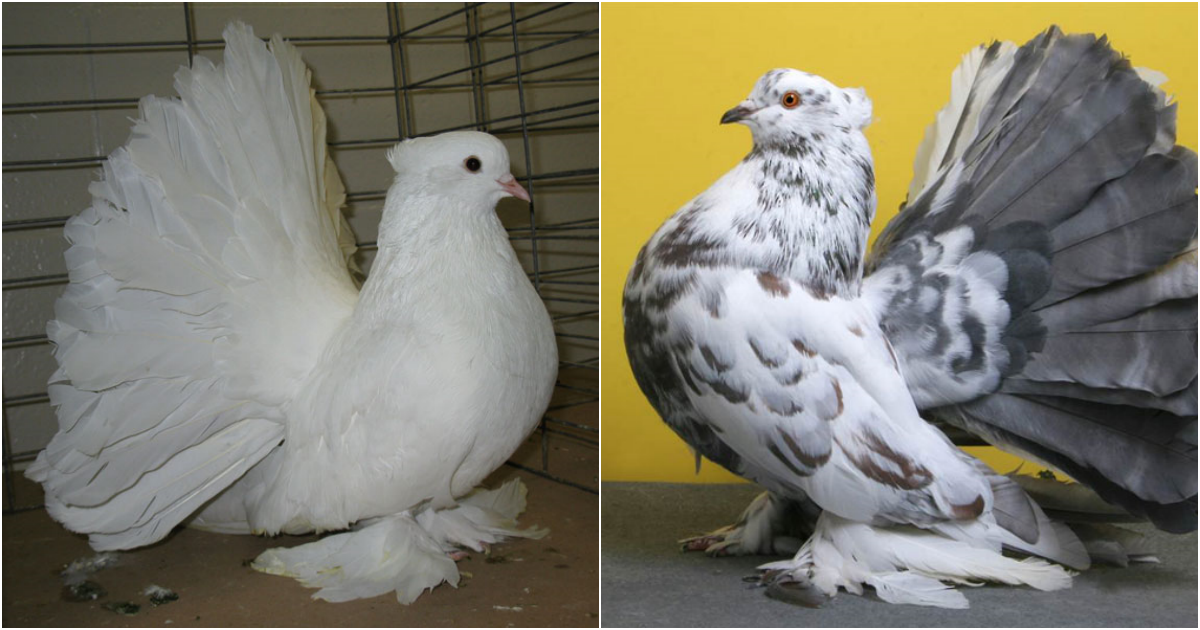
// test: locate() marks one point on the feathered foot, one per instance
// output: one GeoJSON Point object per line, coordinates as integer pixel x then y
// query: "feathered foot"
{"type": "Point", "coordinates": [481, 518]}
{"type": "Point", "coordinates": [770, 525]}
{"type": "Point", "coordinates": [401, 552]}
{"type": "Point", "coordinates": [458, 555]}
{"type": "Point", "coordinates": [392, 553]}
{"type": "Point", "coordinates": [792, 582]}
{"type": "Point", "coordinates": [905, 565]}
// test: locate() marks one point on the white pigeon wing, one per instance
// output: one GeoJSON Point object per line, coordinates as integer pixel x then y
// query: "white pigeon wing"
{"type": "Point", "coordinates": [204, 282]}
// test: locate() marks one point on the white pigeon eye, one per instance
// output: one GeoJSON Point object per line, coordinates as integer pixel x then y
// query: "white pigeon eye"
{"type": "Point", "coordinates": [473, 164]}
{"type": "Point", "coordinates": [791, 100]}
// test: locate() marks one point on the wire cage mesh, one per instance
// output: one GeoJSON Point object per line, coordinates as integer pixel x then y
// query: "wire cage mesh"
{"type": "Point", "coordinates": [527, 73]}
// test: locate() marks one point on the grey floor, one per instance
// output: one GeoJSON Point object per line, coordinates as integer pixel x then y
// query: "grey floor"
{"type": "Point", "coordinates": [647, 581]}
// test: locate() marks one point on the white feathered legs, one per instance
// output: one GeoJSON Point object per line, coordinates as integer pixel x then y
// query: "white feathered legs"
{"type": "Point", "coordinates": [905, 565]}
{"type": "Point", "coordinates": [768, 526]}
{"type": "Point", "coordinates": [403, 552]}
{"type": "Point", "coordinates": [391, 554]}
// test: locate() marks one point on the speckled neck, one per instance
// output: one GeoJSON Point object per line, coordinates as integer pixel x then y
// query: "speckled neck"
{"type": "Point", "coordinates": [815, 199]}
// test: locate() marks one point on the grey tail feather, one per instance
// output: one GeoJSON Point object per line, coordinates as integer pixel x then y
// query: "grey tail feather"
{"type": "Point", "coordinates": [1091, 519]}
{"type": "Point", "coordinates": [1110, 544]}
{"type": "Point", "coordinates": [1017, 512]}
{"type": "Point", "coordinates": [1071, 502]}
{"type": "Point", "coordinates": [1106, 464]}
{"type": "Point", "coordinates": [1075, 154]}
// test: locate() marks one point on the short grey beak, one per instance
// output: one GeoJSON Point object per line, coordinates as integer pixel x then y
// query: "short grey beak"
{"type": "Point", "coordinates": [737, 114]}
{"type": "Point", "coordinates": [510, 186]}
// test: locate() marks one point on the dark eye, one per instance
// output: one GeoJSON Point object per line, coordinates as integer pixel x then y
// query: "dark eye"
{"type": "Point", "coordinates": [473, 164]}
{"type": "Point", "coordinates": [791, 100]}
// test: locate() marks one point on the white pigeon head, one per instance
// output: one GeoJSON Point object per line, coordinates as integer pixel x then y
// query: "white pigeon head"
{"type": "Point", "coordinates": [788, 104]}
{"type": "Point", "coordinates": [469, 165]}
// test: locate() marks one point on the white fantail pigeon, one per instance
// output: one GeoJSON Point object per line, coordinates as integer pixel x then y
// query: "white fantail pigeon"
{"type": "Point", "coordinates": [218, 366]}
{"type": "Point", "coordinates": [1038, 290]}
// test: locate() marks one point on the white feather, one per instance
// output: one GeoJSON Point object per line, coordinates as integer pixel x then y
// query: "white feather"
{"type": "Point", "coordinates": [906, 587]}
{"type": "Point", "coordinates": [845, 554]}
{"type": "Point", "coordinates": [971, 86]}
{"type": "Point", "coordinates": [212, 317]}
{"type": "Point", "coordinates": [481, 518]}
{"type": "Point", "coordinates": [391, 554]}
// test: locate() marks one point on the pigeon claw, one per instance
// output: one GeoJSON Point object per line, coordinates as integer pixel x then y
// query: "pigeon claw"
{"type": "Point", "coordinates": [791, 581]}
{"type": "Point", "coordinates": [799, 593]}
{"type": "Point", "coordinates": [713, 544]}
{"type": "Point", "coordinates": [699, 543]}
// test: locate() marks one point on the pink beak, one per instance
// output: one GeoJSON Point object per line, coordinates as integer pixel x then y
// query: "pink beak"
{"type": "Point", "coordinates": [510, 186]}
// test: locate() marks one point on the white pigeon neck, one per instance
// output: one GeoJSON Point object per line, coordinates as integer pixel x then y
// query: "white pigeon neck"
{"type": "Point", "coordinates": [430, 243]}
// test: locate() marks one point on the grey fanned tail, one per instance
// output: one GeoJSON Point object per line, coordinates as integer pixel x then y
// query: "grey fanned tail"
{"type": "Point", "coordinates": [1040, 289]}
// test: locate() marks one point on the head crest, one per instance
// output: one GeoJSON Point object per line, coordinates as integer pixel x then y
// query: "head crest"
{"type": "Point", "coordinates": [858, 107]}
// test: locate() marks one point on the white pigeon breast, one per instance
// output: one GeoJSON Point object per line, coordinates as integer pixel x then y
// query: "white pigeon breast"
{"type": "Point", "coordinates": [419, 405]}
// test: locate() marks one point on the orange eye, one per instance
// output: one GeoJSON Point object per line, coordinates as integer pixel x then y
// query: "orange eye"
{"type": "Point", "coordinates": [791, 100]}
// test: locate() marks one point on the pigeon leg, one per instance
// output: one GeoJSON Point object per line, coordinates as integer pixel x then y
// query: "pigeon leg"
{"type": "Point", "coordinates": [481, 518]}
{"type": "Point", "coordinates": [904, 565]}
{"type": "Point", "coordinates": [770, 525]}
{"type": "Point", "coordinates": [831, 559]}
{"type": "Point", "coordinates": [801, 592]}
{"type": "Point", "coordinates": [792, 580]}
{"type": "Point", "coordinates": [392, 553]}
{"type": "Point", "coordinates": [458, 555]}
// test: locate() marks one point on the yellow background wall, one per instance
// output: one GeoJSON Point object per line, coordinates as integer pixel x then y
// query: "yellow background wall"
{"type": "Point", "coordinates": [669, 71]}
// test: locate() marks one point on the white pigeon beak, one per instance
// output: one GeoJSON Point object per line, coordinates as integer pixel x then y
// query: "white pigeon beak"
{"type": "Point", "coordinates": [744, 110]}
{"type": "Point", "coordinates": [510, 186]}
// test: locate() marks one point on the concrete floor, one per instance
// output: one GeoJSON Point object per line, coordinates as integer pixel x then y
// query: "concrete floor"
{"type": "Point", "coordinates": [647, 582]}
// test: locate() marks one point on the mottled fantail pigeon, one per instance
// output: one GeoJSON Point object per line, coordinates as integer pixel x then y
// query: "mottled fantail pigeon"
{"type": "Point", "coordinates": [1038, 290]}
{"type": "Point", "coordinates": [218, 366]}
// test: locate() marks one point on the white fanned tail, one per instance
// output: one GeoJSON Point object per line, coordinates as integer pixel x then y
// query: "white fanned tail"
{"type": "Point", "coordinates": [204, 281]}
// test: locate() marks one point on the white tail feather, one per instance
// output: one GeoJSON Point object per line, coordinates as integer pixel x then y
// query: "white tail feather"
{"type": "Point", "coordinates": [205, 279]}
{"type": "Point", "coordinates": [971, 86]}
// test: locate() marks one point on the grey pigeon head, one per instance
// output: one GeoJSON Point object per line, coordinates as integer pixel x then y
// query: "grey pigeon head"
{"type": "Point", "coordinates": [786, 105]}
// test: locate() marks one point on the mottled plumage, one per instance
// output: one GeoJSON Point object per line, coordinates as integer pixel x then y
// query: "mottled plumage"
{"type": "Point", "coordinates": [1050, 180]}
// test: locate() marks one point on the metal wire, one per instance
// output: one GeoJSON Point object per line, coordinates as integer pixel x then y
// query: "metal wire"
{"type": "Point", "coordinates": [531, 69]}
